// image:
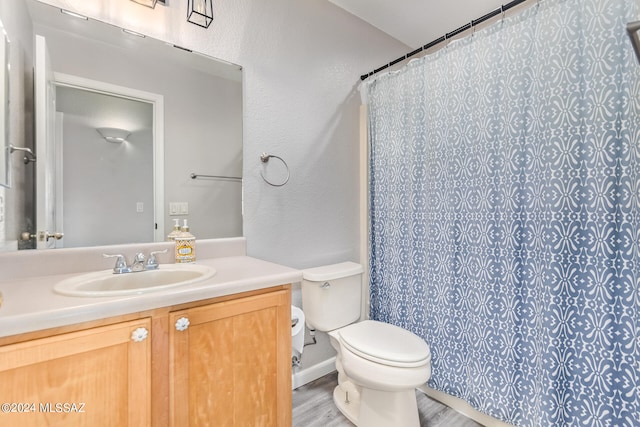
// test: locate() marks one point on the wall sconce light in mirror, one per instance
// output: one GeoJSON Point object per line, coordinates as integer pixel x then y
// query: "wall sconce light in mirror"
{"type": "Point", "coordinates": [200, 12]}
{"type": "Point", "coordinates": [114, 134]}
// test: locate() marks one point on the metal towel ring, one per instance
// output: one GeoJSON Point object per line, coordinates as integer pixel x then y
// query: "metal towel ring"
{"type": "Point", "coordinates": [265, 158]}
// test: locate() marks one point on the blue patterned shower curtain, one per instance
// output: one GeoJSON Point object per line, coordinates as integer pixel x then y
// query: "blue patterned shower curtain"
{"type": "Point", "coordinates": [505, 214]}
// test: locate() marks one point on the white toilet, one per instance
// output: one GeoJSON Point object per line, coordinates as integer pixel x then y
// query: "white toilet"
{"type": "Point", "coordinates": [379, 365]}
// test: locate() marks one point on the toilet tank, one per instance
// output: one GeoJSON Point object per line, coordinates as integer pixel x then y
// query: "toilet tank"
{"type": "Point", "coordinates": [331, 295]}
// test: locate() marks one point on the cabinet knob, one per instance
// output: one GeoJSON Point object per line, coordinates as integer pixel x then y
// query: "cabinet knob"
{"type": "Point", "coordinates": [182, 324]}
{"type": "Point", "coordinates": [139, 335]}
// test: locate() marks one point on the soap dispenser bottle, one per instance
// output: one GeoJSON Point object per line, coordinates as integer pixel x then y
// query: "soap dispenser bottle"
{"type": "Point", "coordinates": [171, 237]}
{"type": "Point", "coordinates": [185, 245]}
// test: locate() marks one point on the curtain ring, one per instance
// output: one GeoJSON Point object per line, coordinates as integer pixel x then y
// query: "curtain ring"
{"type": "Point", "coordinates": [264, 158]}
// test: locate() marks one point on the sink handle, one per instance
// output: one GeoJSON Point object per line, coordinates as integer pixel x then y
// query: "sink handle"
{"type": "Point", "coordinates": [121, 263]}
{"type": "Point", "coordinates": [152, 262]}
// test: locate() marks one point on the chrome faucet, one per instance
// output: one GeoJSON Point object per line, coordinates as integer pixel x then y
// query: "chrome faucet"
{"type": "Point", "coordinates": [138, 263]}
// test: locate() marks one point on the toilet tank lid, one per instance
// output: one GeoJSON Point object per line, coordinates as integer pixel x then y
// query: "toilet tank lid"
{"type": "Point", "coordinates": [331, 272]}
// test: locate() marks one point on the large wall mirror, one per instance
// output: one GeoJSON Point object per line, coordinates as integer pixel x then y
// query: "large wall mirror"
{"type": "Point", "coordinates": [129, 121]}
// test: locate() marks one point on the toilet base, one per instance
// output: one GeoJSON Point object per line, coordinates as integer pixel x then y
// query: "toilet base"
{"type": "Point", "coordinates": [367, 407]}
{"type": "Point", "coordinates": [375, 408]}
{"type": "Point", "coordinates": [348, 407]}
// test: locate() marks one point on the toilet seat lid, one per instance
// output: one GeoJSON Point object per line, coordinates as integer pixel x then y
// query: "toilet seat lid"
{"type": "Point", "coordinates": [385, 344]}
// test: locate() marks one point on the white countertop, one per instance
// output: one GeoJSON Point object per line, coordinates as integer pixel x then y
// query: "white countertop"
{"type": "Point", "coordinates": [30, 304]}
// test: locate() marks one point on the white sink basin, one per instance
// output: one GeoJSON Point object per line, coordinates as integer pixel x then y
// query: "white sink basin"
{"type": "Point", "coordinates": [105, 283]}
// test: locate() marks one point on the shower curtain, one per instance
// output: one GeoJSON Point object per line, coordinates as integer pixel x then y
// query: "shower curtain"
{"type": "Point", "coordinates": [505, 214]}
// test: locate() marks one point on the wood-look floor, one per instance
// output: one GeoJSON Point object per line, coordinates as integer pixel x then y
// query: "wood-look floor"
{"type": "Point", "coordinates": [313, 407]}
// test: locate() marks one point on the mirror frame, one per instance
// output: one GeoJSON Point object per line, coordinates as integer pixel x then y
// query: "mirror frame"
{"type": "Point", "coordinates": [5, 153]}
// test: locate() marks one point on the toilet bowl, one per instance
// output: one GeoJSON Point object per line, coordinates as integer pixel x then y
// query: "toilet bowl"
{"type": "Point", "coordinates": [379, 365]}
{"type": "Point", "coordinates": [383, 356]}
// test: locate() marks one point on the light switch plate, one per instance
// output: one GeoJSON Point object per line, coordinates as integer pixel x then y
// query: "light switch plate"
{"type": "Point", "coordinates": [178, 208]}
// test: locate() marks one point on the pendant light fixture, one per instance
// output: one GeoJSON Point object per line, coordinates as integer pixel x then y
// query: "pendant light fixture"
{"type": "Point", "coordinates": [200, 12]}
{"type": "Point", "coordinates": [148, 3]}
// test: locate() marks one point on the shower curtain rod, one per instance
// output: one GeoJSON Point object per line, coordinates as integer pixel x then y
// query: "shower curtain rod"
{"type": "Point", "coordinates": [447, 36]}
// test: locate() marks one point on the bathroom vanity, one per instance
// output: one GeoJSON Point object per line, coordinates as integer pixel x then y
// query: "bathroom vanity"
{"type": "Point", "coordinates": [216, 352]}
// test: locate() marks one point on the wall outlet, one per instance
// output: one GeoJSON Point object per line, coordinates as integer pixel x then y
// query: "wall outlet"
{"type": "Point", "coordinates": [139, 207]}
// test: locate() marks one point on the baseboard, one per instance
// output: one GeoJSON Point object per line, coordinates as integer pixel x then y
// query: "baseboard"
{"type": "Point", "coordinates": [463, 407]}
{"type": "Point", "coordinates": [312, 373]}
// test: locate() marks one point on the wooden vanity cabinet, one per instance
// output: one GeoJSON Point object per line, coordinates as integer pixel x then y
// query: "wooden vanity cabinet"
{"type": "Point", "coordinates": [95, 377]}
{"type": "Point", "coordinates": [228, 363]}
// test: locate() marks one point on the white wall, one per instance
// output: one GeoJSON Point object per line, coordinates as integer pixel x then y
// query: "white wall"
{"type": "Point", "coordinates": [301, 63]}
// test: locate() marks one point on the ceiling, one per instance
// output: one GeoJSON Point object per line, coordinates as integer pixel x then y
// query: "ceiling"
{"type": "Point", "coordinates": [417, 22]}
{"type": "Point", "coordinates": [46, 15]}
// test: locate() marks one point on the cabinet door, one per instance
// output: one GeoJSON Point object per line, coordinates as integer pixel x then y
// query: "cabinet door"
{"type": "Point", "coordinates": [93, 377]}
{"type": "Point", "coordinates": [230, 363]}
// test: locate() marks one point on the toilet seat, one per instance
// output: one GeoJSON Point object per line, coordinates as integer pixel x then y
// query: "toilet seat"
{"type": "Point", "coordinates": [386, 344]}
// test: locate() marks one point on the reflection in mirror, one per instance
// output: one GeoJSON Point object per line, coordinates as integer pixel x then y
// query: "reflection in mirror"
{"type": "Point", "coordinates": [93, 149]}
{"type": "Point", "coordinates": [5, 170]}
{"type": "Point", "coordinates": [202, 133]}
